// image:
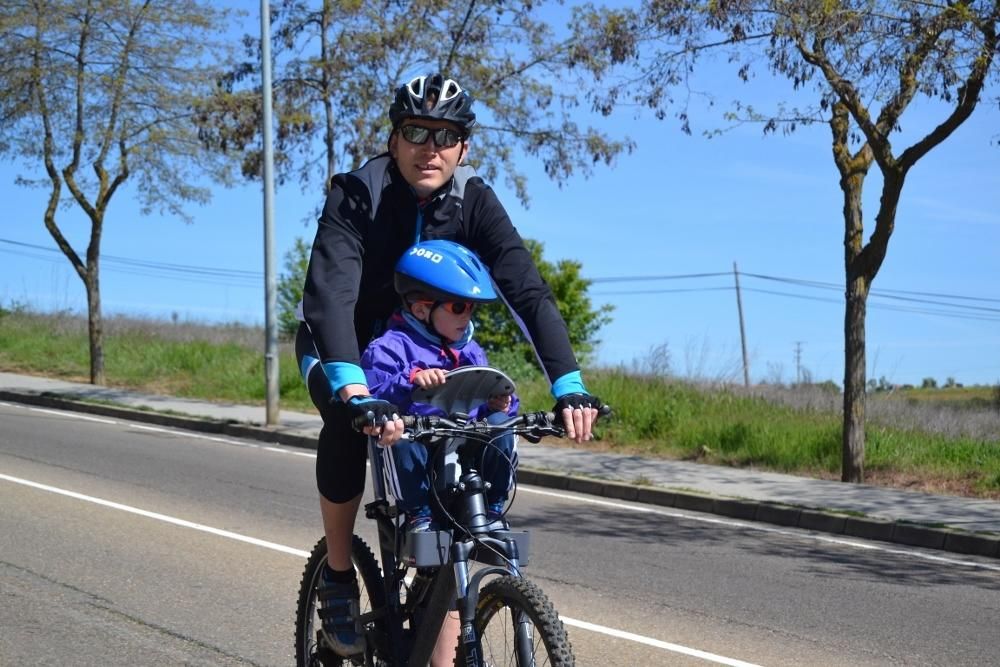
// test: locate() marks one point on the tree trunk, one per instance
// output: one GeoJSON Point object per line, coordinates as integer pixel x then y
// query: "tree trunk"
{"type": "Point", "coordinates": [853, 450]}
{"type": "Point", "coordinates": [853, 171]}
{"type": "Point", "coordinates": [95, 327]}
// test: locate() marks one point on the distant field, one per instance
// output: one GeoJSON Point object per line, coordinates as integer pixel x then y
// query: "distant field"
{"type": "Point", "coordinates": [945, 440]}
{"type": "Point", "coordinates": [977, 396]}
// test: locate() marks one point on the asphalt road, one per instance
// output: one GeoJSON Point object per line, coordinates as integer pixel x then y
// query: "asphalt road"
{"type": "Point", "coordinates": [123, 544]}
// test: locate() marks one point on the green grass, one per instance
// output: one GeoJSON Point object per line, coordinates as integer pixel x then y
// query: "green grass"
{"type": "Point", "coordinates": [652, 415]}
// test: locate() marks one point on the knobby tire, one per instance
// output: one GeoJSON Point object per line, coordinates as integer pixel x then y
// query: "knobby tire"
{"type": "Point", "coordinates": [498, 602]}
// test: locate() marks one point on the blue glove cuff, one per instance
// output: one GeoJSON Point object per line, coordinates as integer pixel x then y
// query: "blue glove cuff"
{"type": "Point", "coordinates": [571, 383]}
{"type": "Point", "coordinates": [360, 400]}
{"type": "Point", "coordinates": [341, 373]}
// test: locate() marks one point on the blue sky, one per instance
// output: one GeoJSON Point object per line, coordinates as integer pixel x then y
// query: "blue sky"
{"type": "Point", "coordinates": [679, 205]}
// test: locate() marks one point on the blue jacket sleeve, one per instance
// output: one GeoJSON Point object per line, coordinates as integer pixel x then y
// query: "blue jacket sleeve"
{"type": "Point", "coordinates": [333, 278]}
{"type": "Point", "coordinates": [388, 372]}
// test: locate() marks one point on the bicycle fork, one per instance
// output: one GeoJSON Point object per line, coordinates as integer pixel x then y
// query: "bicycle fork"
{"type": "Point", "coordinates": [468, 589]}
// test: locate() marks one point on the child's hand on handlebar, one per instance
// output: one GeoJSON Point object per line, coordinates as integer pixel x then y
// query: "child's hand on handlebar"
{"type": "Point", "coordinates": [429, 377]}
{"type": "Point", "coordinates": [578, 413]}
{"type": "Point", "coordinates": [499, 403]}
{"type": "Point", "coordinates": [373, 416]}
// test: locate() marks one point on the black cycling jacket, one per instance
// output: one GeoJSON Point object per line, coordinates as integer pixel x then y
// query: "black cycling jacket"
{"type": "Point", "coordinates": [371, 217]}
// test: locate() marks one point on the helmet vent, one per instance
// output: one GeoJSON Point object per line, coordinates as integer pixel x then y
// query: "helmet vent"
{"type": "Point", "coordinates": [433, 97]}
{"type": "Point", "coordinates": [449, 90]}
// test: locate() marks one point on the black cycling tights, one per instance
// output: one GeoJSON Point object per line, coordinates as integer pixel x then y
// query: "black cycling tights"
{"type": "Point", "coordinates": [341, 451]}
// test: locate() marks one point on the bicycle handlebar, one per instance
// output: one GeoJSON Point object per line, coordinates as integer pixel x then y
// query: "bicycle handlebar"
{"type": "Point", "coordinates": [532, 425]}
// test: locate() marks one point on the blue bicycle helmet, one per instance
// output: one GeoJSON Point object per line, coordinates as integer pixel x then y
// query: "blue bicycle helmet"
{"type": "Point", "coordinates": [433, 97]}
{"type": "Point", "coordinates": [443, 271]}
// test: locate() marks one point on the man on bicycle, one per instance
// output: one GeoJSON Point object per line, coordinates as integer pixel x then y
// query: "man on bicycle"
{"type": "Point", "coordinates": [419, 190]}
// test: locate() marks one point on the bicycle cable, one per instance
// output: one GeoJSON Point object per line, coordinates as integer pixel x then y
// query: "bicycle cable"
{"type": "Point", "coordinates": [482, 439]}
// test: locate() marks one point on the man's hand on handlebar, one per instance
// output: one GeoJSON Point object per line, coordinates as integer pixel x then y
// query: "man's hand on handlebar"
{"type": "Point", "coordinates": [373, 416]}
{"type": "Point", "coordinates": [578, 413]}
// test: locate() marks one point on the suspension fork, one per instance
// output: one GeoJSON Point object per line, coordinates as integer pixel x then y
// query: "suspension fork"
{"type": "Point", "coordinates": [467, 589]}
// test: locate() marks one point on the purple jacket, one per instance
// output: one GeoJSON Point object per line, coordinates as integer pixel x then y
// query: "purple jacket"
{"type": "Point", "coordinates": [391, 360]}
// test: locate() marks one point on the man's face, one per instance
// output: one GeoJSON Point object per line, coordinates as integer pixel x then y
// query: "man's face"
{"type": "Point", "coordinates": [426, 167]}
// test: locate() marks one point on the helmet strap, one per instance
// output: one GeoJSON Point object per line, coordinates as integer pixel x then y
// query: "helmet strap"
{"type": "Point", "coordinates": [428, 322]}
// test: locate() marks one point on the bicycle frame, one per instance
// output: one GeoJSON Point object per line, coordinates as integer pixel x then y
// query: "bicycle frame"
{"type": "Point", "coordinates": [501, 550]}
{"type": "Point", "coordinates": [504, 617]}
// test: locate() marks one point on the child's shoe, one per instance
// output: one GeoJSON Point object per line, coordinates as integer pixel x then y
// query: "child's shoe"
{"type": "Point", "coordinates": [495, 516]}
{"type": "Point", "coordinates": [419, 520]}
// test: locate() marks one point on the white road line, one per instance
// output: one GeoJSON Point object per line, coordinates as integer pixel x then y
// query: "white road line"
{"type": "Point", "coordinates": [183, 523]}
{"type": "Point", "coordinates": [676, 648]}
{"type": "Point", "coordinates": [73, 415]}
{"type": "Point", "coordinates": [759, 527]}
{"type": "Point", "coordinates": [159, 517]}
{"type": "Point", "coordinates": [763, 528]}
{"type": "Point", "coordinates": [196, 436]}
{"type": "Point", "coordinates": [225, 441]}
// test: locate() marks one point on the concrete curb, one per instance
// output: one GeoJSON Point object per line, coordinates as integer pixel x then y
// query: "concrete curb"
{"type": "Point", "coordinates": [199, 424]}
{"type": "Point", "coordinates": [899, 532]}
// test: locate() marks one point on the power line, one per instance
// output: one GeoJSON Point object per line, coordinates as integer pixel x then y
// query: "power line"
{"type": "Point", "coordinates": [664, 291]}
{"type": "Point", "coordinates": [882, 306]}
{"type": "Point", "coordinates": [816, 283]}
{"type": "Point", "coordinates": [623, 279]}
{"type": "Point", "coordinates": [794, 281]}
{"type": "Point", "coordinates": [805, 297]}
{"type": "Point", "coordinates": [183, 272]}
{"type": "Point", "coordinates": [252, 279]}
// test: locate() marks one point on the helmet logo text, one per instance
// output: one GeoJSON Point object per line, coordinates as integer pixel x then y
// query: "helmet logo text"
{"type": "Point", "coordinates": [427, 254]}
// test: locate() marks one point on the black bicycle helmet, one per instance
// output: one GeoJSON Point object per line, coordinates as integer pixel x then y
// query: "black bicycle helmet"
{"type": "Point", "coordinates": [435, 97]}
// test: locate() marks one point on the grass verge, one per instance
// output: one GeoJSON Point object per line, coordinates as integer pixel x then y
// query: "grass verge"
{"type": "Point", "coordinates": [653, 416]}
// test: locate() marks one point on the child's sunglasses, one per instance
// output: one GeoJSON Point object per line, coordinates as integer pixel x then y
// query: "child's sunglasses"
{"type": "Point", "coordinates": [454, 307]}
{"type": "Point", "coordinates": [418, 135]}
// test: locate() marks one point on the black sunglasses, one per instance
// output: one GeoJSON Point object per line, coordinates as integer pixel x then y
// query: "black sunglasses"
{"type": "Point", "coordinates": [418, 135]}
{"type": "Point", "coordinates": [456, 307]}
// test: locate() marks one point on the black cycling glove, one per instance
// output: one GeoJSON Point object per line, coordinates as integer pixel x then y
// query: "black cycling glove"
{"type": "Point", "coordinates": [370, 411]}
{"type": "Point", "coordinates": [577, 400]}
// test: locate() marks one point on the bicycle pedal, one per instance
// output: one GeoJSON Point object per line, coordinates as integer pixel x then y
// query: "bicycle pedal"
{"type": "Point", "coordinates": [327, 656]}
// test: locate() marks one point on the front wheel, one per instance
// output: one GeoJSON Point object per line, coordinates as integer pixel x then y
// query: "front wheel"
{"type": "Point", "coordinates": [517, 625]}
{"type": "Point", "coordinates": [308, 652]}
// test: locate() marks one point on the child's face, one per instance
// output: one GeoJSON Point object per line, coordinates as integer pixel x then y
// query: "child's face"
{"type": "Point", "coordinates": [449, 324]}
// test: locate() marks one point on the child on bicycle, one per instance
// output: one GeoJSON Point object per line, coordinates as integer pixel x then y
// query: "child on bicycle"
{"type": "Point", "coordinates": [440, 283]}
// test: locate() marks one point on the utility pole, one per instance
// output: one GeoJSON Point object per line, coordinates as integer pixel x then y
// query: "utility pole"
{"type": "Point", "coordinates": [798, 362]}
{"type": "Point", "coordinates": [743, 335]}
{"type": "Point", "coordinates": [270, 282]}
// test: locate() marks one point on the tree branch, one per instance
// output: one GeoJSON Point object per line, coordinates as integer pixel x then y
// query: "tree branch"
{"type": "Point", "coordinates": [893, 109]}
{"type": "Point", "coordinates": [104, 190]}
{"type": "Point", "coordinates": [968, 96]}
{"type": "Point", "coordinates": [850, 98]}
{"type": "Point", "coordinates": [81, 65]}
{"type": "Point", "coordinates": [458, 36]}
{"type": "Point", "coordinates": [48, 153]}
